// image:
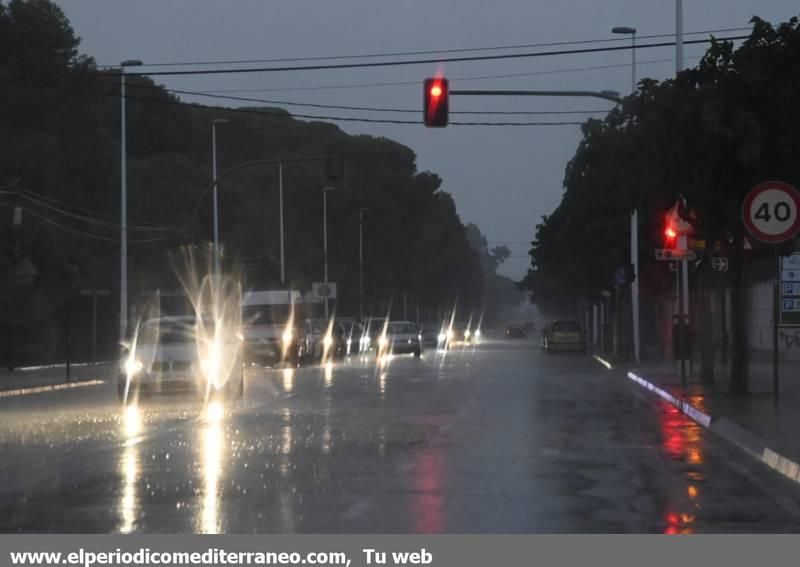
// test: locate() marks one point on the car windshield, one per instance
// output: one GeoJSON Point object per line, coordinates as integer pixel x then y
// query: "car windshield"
{"type": "Point", "coordinates": [402, 328]}
{"type": "Point", "coordinates": [165, 333]}
{"type": "Point", "coordinates": [566, 327]}
{"type": "Point", "coordinates": [266, 314]}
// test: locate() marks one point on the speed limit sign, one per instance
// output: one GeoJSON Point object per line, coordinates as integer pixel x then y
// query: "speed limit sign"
{"type": "Point", "coordinates": [771, 212]}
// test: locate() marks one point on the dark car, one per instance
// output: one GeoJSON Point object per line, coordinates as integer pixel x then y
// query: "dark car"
{"type": "Point", "coordinates": [516, 331]}
{"type": "Point", "coordinates": [564, 335]}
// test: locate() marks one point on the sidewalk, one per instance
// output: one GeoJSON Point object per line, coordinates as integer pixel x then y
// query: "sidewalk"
{"type": "Point", "coordinates": [52, 375]}
{"type": "Point", "coordinates": [758, 423]}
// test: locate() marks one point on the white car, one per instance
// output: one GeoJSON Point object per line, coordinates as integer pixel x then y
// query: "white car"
{"type": "Point", "coordinates": [182, 353]}
{"type": "Point", "coordinates": [401, 337]}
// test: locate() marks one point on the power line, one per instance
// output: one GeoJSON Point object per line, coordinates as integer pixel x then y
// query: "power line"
{"type": "Point", "coordinates": [362, 108]}
{"type": "Point", "coordinates": [88, 234]}
{"type": "Point", "coordinates": [90, 220]}
{"type": "Point", "coordinates": [452, 79]}
{"type": "Point", "coordinates": [284, 114]}
{"type": "Point", "coordinates": [424, 52]}
{"type": "Point", "coordinates": [408, 62]}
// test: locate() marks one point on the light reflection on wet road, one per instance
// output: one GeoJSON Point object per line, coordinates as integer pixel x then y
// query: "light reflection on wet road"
{"type": "Point", "coordinates": [497, 438]}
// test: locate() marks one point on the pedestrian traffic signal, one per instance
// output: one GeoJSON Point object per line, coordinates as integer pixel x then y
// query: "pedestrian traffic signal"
{"type": "Point", "coordinates": [436, 96]}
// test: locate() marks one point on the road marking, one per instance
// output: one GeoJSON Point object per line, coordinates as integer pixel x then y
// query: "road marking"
{"type": "Point", "coordinates": [50, 388]}
{"type": "Point", "coordinates": [749, 443]}
{"type": "Point", "coordinates": [604, 362]}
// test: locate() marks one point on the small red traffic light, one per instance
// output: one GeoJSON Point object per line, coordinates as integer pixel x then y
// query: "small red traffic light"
{"type": "Point", "coordinates": [670, 233]}
{"type": "Point", "coordinates": [436, 102]}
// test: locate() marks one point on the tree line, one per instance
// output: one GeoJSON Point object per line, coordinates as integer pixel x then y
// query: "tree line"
{"type": "Point", "coordinates": [709, 135]}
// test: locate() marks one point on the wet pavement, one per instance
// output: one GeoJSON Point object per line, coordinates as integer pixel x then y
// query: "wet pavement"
{"type": "Point", "coordinates": [493, 438]}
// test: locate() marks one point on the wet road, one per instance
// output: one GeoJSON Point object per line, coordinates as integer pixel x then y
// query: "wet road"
{"type": "Point", "coordinates": [493, 438]}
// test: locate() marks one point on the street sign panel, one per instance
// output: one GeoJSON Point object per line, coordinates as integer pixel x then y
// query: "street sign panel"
{"type": "Point", "coordinates": [771, 212]}
{"type": "Point", "coordinates": [668, 255]}
{"type": "Point", "coordinates": [719, 264]}
{"type": "Point", "coordinates": [790, 290]}
{"type": "Point", "coordinates": [323, 290]}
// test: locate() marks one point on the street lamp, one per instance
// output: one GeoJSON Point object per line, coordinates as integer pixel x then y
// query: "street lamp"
{"type": "Point", "coordinates": [123, 225]}
{"type": "Point", "coordinates": [361, 212]}
{"type": "Point", "coordinates": [634, 233]}
{"type": "Point", "coordinates": [325, 238]}
{"type": "Point", "coordinates": [622, 30]}
{"type": "Point", "coordinates": [214, 197]}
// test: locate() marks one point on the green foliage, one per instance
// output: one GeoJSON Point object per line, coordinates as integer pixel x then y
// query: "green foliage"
{"type": "Point", "coordinates": [710, 134]}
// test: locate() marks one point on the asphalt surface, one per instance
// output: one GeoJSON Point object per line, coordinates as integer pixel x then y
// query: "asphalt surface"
{"type": "Point", "coordinates": [493, 438]}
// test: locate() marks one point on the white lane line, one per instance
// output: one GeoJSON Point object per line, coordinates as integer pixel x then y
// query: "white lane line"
{"type": "Point", "coordinates": [50, 388]}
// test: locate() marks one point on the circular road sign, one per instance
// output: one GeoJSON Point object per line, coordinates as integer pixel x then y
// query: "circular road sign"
{"type": "Point", "coordinates": [324, 290]}
{"type": "Point", "coordinates": [771, 211]}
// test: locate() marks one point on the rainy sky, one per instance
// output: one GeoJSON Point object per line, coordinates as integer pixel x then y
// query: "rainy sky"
{"type": "Point", "coordinates": [503, 178]}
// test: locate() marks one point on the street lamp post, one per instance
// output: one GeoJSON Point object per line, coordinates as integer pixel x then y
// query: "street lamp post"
{"type": "Point", "coordinates": [325, 239]}
{"type": "Point", "coordinates": [624, 30]}
{"type": "Point", "coordinates": [361, 212]}
{"type": "Point", "coordinates": [214, 197]}
{"type": "Point", "coordinates": [280, 203]}
{"type": "Point", "coordinates": [123, 225]}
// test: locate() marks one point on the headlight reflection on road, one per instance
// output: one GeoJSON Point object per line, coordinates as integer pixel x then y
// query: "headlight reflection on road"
{"type": "Point", "coordinates": [211, 463]}
{"type": "Point", "coordinates": [129, 468]}
{"type": "Point", "coordinates": [288, 380]}
{"type": "Point", "coordinates": [382, 384]}
{"type": "Point", "coordinates": [328, 374]}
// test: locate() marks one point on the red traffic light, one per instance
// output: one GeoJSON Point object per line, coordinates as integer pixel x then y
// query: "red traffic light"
{"type": "Point", "coordinates": [436, 107]}
{"type": "Point", "coordinates": [670, 233]}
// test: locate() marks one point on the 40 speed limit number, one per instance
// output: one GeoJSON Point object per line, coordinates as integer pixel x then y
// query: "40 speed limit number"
{"type": "Point", "coordinates": [771, 212]}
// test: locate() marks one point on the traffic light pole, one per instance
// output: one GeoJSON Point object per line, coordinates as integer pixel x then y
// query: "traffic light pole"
{"type": "Point", "coordinates": [605, 95]}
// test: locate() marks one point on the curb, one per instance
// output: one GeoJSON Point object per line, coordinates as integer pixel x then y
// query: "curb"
{"type": "Point", "coordinates": [750, 443]}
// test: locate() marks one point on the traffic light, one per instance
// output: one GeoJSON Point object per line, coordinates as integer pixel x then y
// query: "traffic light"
{"type": "Point", "coordinates": [437, 103]}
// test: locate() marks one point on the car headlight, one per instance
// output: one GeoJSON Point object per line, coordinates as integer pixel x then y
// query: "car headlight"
{"type": "Point", "coordinates": [133, 366]}
{"type": "Point", "coordinates": [450, 335]}
{"type": "Point", "coordinates": [419, 338]}
{"type": "Point", "coordinates": [477, 334]}
{"type": "Point", "coordinates": [327, 341]}
{"type": "Point", "coordinates": [287, 336]}
{"type": "Point", "coordinates": [442, 337]}
{"type": "Point", "coordinates": [383, 341]}
{"type": "Point", "coordinates": [467, 334]}
{"type": "Point", "coordinates": [349, 343]}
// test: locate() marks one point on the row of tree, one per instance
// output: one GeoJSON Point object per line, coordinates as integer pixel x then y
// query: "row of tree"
{"type": "Point", "coordinates": [709, 135]}
{"type": "Point", "coordinates": [60, 141]}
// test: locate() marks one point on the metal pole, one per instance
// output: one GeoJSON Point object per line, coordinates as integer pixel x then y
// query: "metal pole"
{"type": "Point", "coordinates": [681, 328]}
{"type": "Point", "coordinates": [678, 36]}
{"type": "Point", "coordinates": [280, 201]}
{"type": "Point", "coordinates": [123, 225]}
{"type": "Point", "coordinates": [94, 327]}
{"type": "Point", "coordinates": [776, 299]}
{"type": "Point", "coordinates": [361, 264]}
{"type": "Point", "coordinates": [635, 284]}
{"type": "Point", "coordinates": [633, 65]}
{"type": "Point", "coordinates": [214, 196]}
{"type": "Point", "coordinates": [325, 241]}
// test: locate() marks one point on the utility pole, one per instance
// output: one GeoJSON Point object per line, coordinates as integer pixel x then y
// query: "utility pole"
{"type": "Point", "coordinates": [678, 36]}
{"type": "Point", "coordinates": [361, 212]}
{"type": "Point", "coordinates": [325, 240]}
{"type": "Point", "coordinates": [280, 206]}
{"type": "Point", "coordinates": [123, 225]}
